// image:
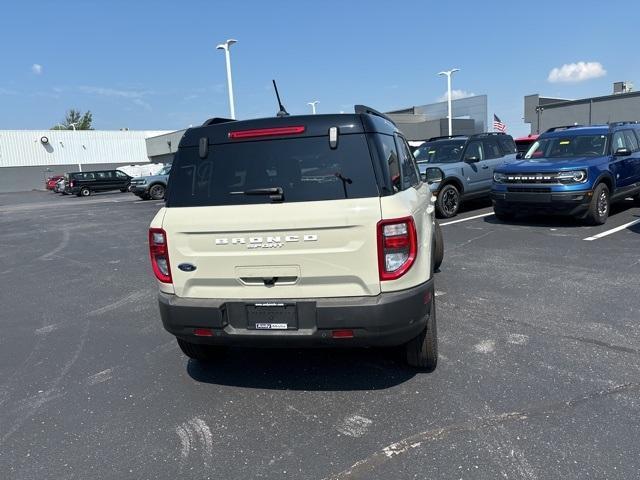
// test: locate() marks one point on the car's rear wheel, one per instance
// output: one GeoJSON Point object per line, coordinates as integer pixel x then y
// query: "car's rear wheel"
{"type": "Point", "coordinates": [123, 190]}
{"type": "Point", "coordinates": [448, 201]}
{"type": "Point", "coordinates": [85, 192]}
{"type": "Point", "coordinates": [599, 206]}
{"type": "Point", "coordinates": [202, 353]}
{"type": "Point", "coordinates": [156, 192]}
{"type": "Point", "coordinates": [422, 351]}
{"type": "Point", "coordinates": [438, 248]}
{"type": "Point", "coordinates": [636, 199]}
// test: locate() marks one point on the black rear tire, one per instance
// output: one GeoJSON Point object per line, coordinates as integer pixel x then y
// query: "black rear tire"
{"type": "Point", "coordinates": [84, 192]}
{"type": "Point", "coordinates": [599, 206]}
{"type": "Point", "coordinates": [636, 199]}
{"type": "Point", "coordinates": [202, 353]}
{"type": "Point", "coordinates": [422, 351]}
{"type": "Point", "coordinates": [438, 250]}
{"type": "Point", "coordinates": [448, 201]}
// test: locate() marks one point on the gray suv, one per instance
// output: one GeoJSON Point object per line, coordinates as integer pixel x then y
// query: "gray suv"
{"type": "Point", "coordinates": [151, 187]}
{"type": "Point", "coordinates": [465, 164]}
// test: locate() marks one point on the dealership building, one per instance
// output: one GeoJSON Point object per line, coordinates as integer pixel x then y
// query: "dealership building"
{"type": "Point", "coordinates": [543, 113]}
{"type": "Point", "coordinates": [27, 157]}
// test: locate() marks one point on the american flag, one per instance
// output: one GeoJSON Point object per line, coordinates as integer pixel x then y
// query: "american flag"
{"type": "Point", "coordinates": [498, 126]}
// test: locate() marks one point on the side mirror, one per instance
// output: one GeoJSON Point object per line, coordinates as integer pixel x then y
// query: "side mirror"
{"type": "Point", "coordinates": [434, 175]}
{"type": "Point", "coordinates": [622, 152]}
{"type": "Point", "coordinates": [472, 159]}
{"type": "Point", "coordinates": [520, 155]}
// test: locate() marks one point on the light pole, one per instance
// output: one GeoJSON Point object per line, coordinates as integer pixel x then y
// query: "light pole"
{"type": "Point", "coordinates": [448, 73]}
{"type": "Point", "coordinates": [225, 46]}
{"type": "Point", "coordinates": [313, 106]}
{"type": "Point", "coordinates": [73, 125]}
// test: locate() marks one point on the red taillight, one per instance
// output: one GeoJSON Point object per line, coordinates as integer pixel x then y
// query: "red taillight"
{"type": "Point", "coordinates": [159, 254]}
{"type": "Point", "coordinates": [71, 184]}
{"type": "Point", "coordinates": [397, 247]}
{"type": "Point", "coordinates": [266, 132]}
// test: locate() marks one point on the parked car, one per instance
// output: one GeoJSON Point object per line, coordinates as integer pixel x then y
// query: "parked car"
{"type": "Point", "coordinates": [84, 184]}
{"type": "Point", "coordinates": [524, 143]}
{"type": "Point", "coordinates": [50, 183]}
{"type": "Point", "coordinates": [301, 230]}
{"type": "Point", "coordinates": [467, 164]}
{"type": "Point", "coordinates": [577, 171]}
{"type": "Point", "coordinates": [151, 186]}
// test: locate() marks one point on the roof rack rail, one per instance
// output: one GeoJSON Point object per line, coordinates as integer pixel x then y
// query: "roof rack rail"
{"type": "Point", "coordinates": [619, 124]}
{"type": "Point", "coordinates": [442, 137]}
{"type": "Point", "coordinates": [486, 134]}
{"type": "Point", "coordinates": [217, 120]}
{"type": "Point", "coordinates": [562, 127]}
{"type": "Point", "coordinates": [363, 109]}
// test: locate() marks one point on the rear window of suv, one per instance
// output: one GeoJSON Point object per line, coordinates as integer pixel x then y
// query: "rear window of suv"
{"type": "Point", "coordinates": [306, 169]}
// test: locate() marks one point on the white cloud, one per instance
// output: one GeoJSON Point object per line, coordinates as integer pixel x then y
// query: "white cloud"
{"type": "Point", "coordinates": [6, 91]}
{"type": "Point", "coordinates": [455, 95]}
{"type": "Point", "coordinates": [576, 72]}
{"type": "Point", "coordinates": [112, 92]}
{"type": "Point", "coordinates": [36, 68]}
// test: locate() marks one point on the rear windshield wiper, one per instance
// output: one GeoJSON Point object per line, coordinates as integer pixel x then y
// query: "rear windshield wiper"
{"type": "Point", "coordinates": [275, 193]}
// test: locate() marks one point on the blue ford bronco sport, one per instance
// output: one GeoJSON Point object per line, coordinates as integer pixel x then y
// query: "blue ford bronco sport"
{"type": "Point", "coordinates": [576, 170]}
{"type": "Point", "coordinates": [465, 164]}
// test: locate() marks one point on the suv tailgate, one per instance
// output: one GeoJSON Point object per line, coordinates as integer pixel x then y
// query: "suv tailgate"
{"type": "Point", "coordinates": [288, 250]}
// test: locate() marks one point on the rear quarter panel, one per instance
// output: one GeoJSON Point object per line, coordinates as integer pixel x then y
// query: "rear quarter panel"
{"type": "Point", "coordinates": [417, 203]}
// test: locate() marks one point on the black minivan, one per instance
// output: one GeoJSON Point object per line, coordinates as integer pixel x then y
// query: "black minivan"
{"type": "Point", "coordinates": [84, 184]}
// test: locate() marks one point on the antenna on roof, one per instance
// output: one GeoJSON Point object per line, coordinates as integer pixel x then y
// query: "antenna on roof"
{"type": "Point", "coordinates": [283, 112]}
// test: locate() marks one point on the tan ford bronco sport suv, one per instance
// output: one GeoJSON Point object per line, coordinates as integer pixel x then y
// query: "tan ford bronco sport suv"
{"type": "Point", "coordinates": [298, 231]}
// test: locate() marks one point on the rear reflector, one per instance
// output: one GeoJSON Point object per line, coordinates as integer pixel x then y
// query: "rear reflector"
{"type": "Point", "coordinates": [203, 332]}
{"type": "Point", "coordinates": [267, 132]}
{"type": "Point", "coordinates": [342, 333]}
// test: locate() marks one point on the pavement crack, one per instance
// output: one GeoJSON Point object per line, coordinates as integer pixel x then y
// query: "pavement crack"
{"type": "Point", "coordinates": [364, 468]}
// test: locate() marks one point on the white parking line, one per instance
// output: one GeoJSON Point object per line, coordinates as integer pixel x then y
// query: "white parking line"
{"type": "Point", "coordinates": [613, 230]}
{"type": "Point", "coordinates": [465, 219]}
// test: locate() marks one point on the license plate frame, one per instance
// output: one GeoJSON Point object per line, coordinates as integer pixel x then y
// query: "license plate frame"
{"type": "Point", "coordinates": [272, 316]}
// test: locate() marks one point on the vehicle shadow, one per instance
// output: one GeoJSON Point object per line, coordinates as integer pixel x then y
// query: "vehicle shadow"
{"type": "Point", "coordinates": [305, 370]}
{"type": "Point", "coordinates": [471, 205]}
{"type": "Point", "coordinates": [553, 221]}
{"type": "Point", "coordinates": [635, 228]}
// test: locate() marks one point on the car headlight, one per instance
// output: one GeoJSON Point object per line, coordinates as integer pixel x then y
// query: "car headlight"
{"type": "Point", "coordinates": [573, 176]}
{"type": "Point", "coordinates": [499, 177]}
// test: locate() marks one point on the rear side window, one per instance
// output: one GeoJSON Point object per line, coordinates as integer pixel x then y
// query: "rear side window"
{"type": "Point", "coordinates": [306, 169]}
{"type": "Point", "coordinates": [491, 149]}
{"type": "Point", "coordinates": [408, 167]}
{"type": "Point", "coordinates": [507, 144]}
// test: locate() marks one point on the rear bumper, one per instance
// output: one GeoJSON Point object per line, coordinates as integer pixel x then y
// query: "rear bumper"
{"type": "Point", "coordinates": [384, 320]}
{"type": "Point", "coordinates": [570, 203]}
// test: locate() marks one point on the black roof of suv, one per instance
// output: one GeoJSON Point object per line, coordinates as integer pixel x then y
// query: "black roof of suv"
{"type": "Point", "coordinates": [337, 156]}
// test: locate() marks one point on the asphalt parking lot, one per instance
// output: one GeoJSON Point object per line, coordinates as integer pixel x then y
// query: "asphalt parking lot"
{"type": "Point", "coordinates": [538, 377]}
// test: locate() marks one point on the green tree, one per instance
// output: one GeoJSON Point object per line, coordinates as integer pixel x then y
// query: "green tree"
{"type": "Point", "coordinates": [73, 117]}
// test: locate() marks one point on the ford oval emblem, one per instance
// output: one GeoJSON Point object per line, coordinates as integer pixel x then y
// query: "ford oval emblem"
{"type": "Point", "coordinates": [187, 267]}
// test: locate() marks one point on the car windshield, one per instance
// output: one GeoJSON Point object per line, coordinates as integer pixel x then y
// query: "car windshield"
{"type": "Point", "coordinates": [165, 170]}
{"type": "Point", "coordinates": [440, 152]}
{"type": "Point", "coordinates": [569, 146]}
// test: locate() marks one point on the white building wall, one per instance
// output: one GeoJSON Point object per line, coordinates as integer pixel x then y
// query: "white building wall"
{"type": "Point", "coordinates": [24, 148]}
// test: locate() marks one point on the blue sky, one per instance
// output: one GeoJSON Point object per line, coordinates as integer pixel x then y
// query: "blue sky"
{"type": "Point", "coordinates": [153, 64]}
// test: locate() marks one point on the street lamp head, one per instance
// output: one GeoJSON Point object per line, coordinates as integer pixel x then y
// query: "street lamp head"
{"type": "Point", "coordinates": [226, 45]}
{"type": "Point", "coordinates": [449, 72]}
